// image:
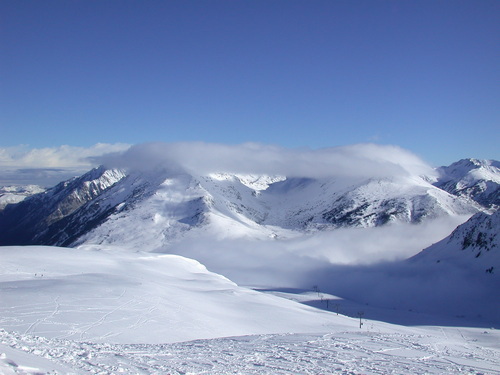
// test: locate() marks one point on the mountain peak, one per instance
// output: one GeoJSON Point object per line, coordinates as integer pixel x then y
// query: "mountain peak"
{"type": "Point", "coordinates": [465, 166]}
{"type": "Point", "coordinates": [475, 179]}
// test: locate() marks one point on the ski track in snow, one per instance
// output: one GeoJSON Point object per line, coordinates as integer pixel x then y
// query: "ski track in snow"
{"type": "Point", "coordinates": [32, 326]}
{"type": "Point", "coordinates": [336, 353]}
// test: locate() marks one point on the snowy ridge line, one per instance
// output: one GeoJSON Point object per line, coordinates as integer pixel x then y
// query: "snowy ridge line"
{"type": "Point", "coordinates": [338, 353]}
{"type": "Point", "coordinates": [477, 180]}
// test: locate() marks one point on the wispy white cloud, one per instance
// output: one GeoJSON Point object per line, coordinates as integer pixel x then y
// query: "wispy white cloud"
{"type": "Point", "coordinates": [55, 157]}
{"type": "Point", "coordinates": [47, 166]}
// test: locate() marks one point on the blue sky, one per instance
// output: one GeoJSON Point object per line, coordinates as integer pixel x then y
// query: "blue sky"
{"type": "Point", "coordinates": [423, 75]}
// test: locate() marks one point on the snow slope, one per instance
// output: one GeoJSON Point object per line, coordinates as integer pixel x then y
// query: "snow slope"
{"type": "Point", "coordinates": [107, 295]}
{"type": "Point", "coordinates": [474, 245]}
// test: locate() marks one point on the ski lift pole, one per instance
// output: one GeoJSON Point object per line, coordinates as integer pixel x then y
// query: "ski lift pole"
{"type": "Point", "coordinates": [360, 314]}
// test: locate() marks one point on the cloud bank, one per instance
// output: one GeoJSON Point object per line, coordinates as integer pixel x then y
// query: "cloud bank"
{"type": "Point", "coordinates": [368, 160]}
{"type": "Point", "coordinates": [47, 166]}
{"type": "Point", "coordinates": [294, 262]}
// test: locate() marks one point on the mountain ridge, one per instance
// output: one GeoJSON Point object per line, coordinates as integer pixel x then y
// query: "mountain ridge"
{"type": "Point", "coordinates": [165, 205]}
{"type": "Point", "coordinates": [35, 214]}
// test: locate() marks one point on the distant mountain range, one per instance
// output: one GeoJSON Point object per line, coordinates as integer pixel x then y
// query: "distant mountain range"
{"type": "Point", "coordinates": [15, 194]}
{"type": "Point", "coordinates": [154, 208]}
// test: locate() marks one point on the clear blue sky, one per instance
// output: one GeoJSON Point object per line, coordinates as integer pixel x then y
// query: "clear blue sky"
{"type": "Point", "coordinates": [423, 75]}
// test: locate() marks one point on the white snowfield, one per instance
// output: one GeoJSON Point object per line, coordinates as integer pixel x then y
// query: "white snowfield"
{"type": "Point", "coordinates": [126, 297]}
{"type": "Point", "coordinates": [107, 311]}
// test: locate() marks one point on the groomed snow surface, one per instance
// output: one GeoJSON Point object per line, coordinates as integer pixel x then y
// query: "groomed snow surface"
{"type": "Point", "coordinates": [102, 310]}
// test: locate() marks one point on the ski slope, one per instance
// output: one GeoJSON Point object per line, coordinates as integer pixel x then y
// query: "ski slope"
{"type": "Point", "coordinates": [108, 311]}
{"type": "Point", "coordinates": [111, 296]}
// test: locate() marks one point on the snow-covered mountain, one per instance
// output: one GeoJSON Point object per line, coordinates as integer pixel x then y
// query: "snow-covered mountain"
{"type": "Point", "coordinates": [476, 179]}
{"type": "Point", "coordinates": [158, 207]}
{"type": "Point", "coordinates": [33, 217]}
